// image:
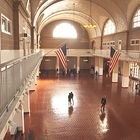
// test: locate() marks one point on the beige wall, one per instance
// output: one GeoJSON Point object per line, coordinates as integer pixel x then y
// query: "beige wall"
{"type": "Point", "coordinates": [24, 27]}
{"type": "Point", "coordinates": [96, 43]}
{"type": "Point", "coordinates": [48, 63]}
{"type": "Point", "coordinates": [72, 62]}
{"type": "Point", "coordinates": [116, 37]}
{"type": "Point", "coordinates": [47, 41]}
{"type": "Point", "coordinates": [134, 34]}
{"type": "Point", "coordinates": [6, 9]}
{"type": "Point", "coordinates": [20, 26]}
{"type": "Point", "coordinates": [113, 37]}
{"type": "Point", "coordinates": [125, 36]}
{"type": "Point", "coordinates": [35, 39]}
{"type": "Point", "coordinates": [84, 64]}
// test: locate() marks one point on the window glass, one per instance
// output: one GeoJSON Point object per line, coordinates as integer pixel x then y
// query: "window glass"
{"type": "Point", "coordinates": [134, 70]}
{"type": "Point", "coordinates": [64, 30]}
{"type": "Point", "coordinates": [136, 19]}
{"type": "Point", "coordinates": [5, 24]}
{"type": "Point", "coordinates": [109, 27]}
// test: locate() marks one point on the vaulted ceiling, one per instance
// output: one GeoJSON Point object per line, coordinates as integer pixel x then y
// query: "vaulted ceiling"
{"type": "Point", "coordinates": [82, 11]}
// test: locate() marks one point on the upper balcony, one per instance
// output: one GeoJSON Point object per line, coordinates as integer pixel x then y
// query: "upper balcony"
{"type": "Point", "coordinates": [9, 55]}
{"type": "Point", "coordinates": [125, 55]}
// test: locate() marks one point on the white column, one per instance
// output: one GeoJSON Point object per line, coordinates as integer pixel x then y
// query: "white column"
{"type": "Point", "coordinates": [125, 74]}
{"type": "Point", "coordinates": [78, 64]}
{"type": "Point", "coordinates": [97, 64]}
{"type": "Point", "coordinates": [26, 104]}
{"type": "Point", "coordinates": [37, 73]}
{"type": "Point", "coordinates": [57, 63]}
{"type": "Point", "coordinates": [12, 126]}
{"type": "Point", "coordinates": [92, 61]}
{"type": "Point", "coordinates": [100, 66]}
{"type": "Point", "coordinates": [115, 74]}
{"type": "Point", "coordinates": [36, 79]}
{"type": "Point", "coordinates": [32, 84]}
{"type": "Point", "coordinates": [18, 121]}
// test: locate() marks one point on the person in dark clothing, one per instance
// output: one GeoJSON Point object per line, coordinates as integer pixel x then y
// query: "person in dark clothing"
{"type": "Point", "coordinates": [137, 88]}
{"type": "Point", "coordinates": [70, 98]}
{"type": "Point", "coordinates": [96, 74]}
{"type": "Point", "coordinates": [103, 103]}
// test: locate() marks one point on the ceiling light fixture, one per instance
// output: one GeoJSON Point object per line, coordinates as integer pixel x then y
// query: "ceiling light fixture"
{"type": "Point", "coordinates": [91, 25]}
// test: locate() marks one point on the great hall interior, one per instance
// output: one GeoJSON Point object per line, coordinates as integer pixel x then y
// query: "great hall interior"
{"type": "Point", "coordinates": [35, 82]}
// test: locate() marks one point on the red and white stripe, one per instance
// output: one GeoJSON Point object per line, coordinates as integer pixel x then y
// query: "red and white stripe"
{"type": "Point", "coordinates": [113, 61]}
{"type": "Point", "coordinates": [62, 58]}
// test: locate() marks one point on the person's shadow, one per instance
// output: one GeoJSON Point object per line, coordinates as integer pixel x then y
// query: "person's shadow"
{"type": "Point", "coordinates": [70, 110]}
{"type": "Point", "coordinates": [102, 116]}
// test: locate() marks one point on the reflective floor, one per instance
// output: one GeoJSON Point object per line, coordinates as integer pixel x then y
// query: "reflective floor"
{"type": "Point", "coordinates": [52, 118]}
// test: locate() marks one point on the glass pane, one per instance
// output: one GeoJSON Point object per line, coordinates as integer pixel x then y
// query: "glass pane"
{"type": "Point", "coordinates": [3, 24]}
{"type": "Point", "coordinates": [109, 27]}
{"type": "Point", "coordinates": [135, 19]}
{"type": "Point", "coordinates": [9, 30]}
{"type": "Point", "coordinates": [69, 29]}
{"type": "Point", "coordinates": [138, 24]}
{"type": "Point", "coordinates": [138, 12]}
{"type": "Point", "coordinates": [138, 18]}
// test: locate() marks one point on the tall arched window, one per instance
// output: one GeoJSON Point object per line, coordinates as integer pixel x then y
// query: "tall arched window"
{"type": "Point", "coordinates": [109, 27]}
{"type": "Point", "coordinates": [64, 30]}
{"type": "Point", "coordinates": [136, 19]}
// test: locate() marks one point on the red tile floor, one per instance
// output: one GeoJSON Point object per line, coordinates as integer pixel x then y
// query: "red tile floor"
{"type": "Point", "coordinates": [51, 118]}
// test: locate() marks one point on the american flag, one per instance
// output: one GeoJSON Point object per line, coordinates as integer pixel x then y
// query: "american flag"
{"type": "Point", "coordinates": [114, 57]}
{"type": "Point", "coordinates": [61, 53]}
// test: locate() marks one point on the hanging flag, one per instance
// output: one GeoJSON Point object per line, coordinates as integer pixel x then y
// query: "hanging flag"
{"type": "Point", "coordinates": [114, 57]}
{"type": "Point", "coordinates": [61, 53]}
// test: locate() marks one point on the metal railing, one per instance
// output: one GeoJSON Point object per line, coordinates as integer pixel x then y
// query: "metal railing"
{"type": "Point", "coordinates": [13, 75]}
{"type": "Point", "coordinates": [7, 55]}
{"type": "Point", "coordinates": [125, 55]}
{"type": "Point", "coordinates": [130, 55]}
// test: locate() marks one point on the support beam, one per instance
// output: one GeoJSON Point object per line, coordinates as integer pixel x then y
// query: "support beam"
{"type": "Point", "coordinates": [26, 104]}
{"type": "Point", "coordinates": [100, 66]}
{"type": "Point", "coordinates": [97, 64]}
{"type": "Point", "coordinates": [115, 74]}
{"type": "Point", "coordinates": [125, 74]}
{"type": "Point", "coordinates": [78, 65]}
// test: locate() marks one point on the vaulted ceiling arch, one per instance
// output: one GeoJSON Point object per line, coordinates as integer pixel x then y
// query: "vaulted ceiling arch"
{"type": "Point", "coordinates": [132, 8]}
{"type": "Point", "coordinates": [52, 10]}
{"type": "Point", "coordinates": [78, 17]}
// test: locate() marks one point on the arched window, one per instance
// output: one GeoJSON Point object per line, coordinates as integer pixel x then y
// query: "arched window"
{"type": "Point", "coordinates": [109, 27]}
{"type": "Point", "coordinates": [136, 19]}
{"type": "Point", "coordinates": [64, 30]}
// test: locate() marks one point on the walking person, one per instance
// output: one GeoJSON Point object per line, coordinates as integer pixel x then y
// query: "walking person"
{"type": "Point", "coordinates": [70, 98]}
{"type": "Point", "coordinates": [57, 72]}
{"type": "Point", "coordinates": [103, 104]}
{"type": "Point", "coordinates": [96, 74]}
{"type": "Point", "coordinates": [137, 88]}
{"type": "Point", "coordinates": [71, 94]}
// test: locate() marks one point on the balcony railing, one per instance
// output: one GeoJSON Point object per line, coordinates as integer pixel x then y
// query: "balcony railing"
{"type": "Point", "coordinates": [130, 55]}
{"type": "Point", "coordinates": [13, 76]}
{"type": "Point", "coordinates": [70, 52]}
{"type": "Point", "coordinates": [7, 55]}
{"type": "Point", "coordinates": [125, 55]}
